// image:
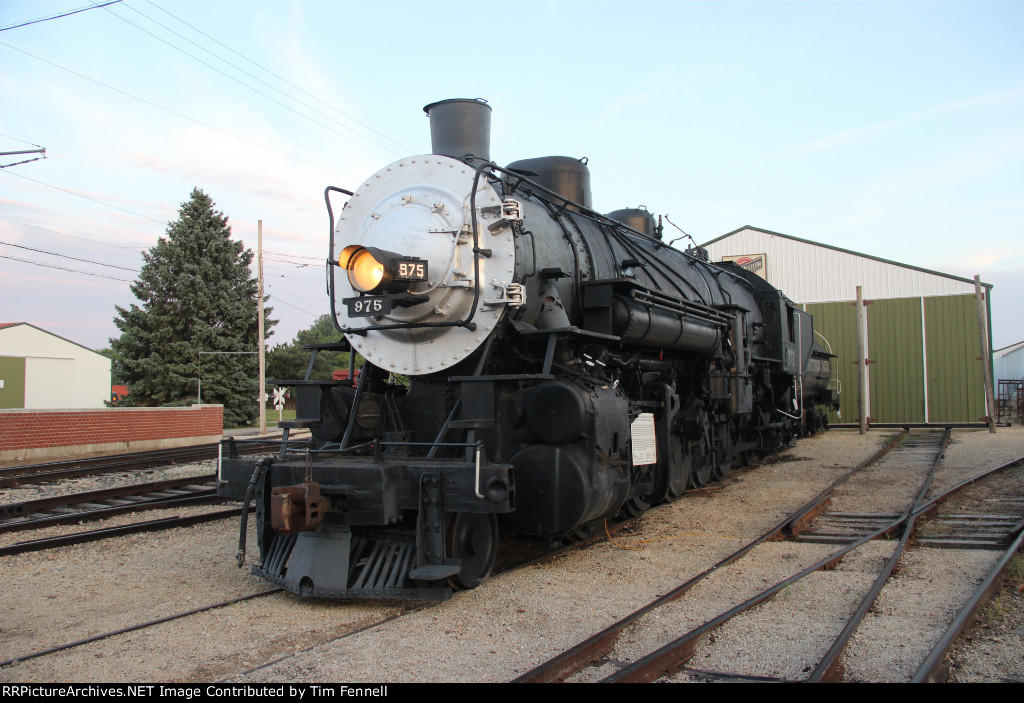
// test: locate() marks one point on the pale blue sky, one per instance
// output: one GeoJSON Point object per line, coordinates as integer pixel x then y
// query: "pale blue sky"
{"type": "Point", "coordinates": [894, 129]}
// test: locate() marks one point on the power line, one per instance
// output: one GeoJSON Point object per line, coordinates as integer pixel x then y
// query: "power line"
{"type": "Point", "coordinates": [22, 140]}
{"type": "Point", "coordinates": [66, 256]}
{"type": "Point", "coordinates": [178, 114]}
{"type": "Point", "coordinates": [163, 222]}
{"type": "Point", "coordinates": [240, 82]}
{"type": "Point", "coordinates": [272, 87]}
{"type": "Point", "coordinates": [297, 278]}
{"type": "Point", "coordinates": [73, 236]}
{"type": "Point", "coordinates": [54, 17]}
{"type": "Point", "coordinates": [296, 307]}
{"type": "Point", "coordinates": [57, 187]}
{"type": "Point", "coordinates": [294, 256]}
{"type": "Point", "coordinates": [63, 268]}
{"type": "Point", "coordinates": [282, 79]}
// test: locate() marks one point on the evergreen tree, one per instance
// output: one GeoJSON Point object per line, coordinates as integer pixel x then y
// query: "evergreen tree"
{"type": "Point", "coordinates": [197, 294]}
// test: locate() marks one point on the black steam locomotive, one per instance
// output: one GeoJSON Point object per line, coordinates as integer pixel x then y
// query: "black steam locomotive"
{"type": "Point", "coordinates": [530, 365]}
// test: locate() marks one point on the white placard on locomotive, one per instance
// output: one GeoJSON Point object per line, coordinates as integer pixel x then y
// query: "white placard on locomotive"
{"type": "Point", "coordinates": [645, 444]}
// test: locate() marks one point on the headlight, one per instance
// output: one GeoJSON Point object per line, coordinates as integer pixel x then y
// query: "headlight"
{"type": "Point", "coordinates": [365, 273]}
{"type": "Point", "coordinates": [372, 270]}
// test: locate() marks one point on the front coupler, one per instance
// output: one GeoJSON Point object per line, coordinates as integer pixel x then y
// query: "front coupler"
{"type": "Point", "coordinates": [381, 528]}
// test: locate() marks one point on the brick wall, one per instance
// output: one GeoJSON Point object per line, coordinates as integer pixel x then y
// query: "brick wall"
{"type": "Point", "coordinates": [42, 434]}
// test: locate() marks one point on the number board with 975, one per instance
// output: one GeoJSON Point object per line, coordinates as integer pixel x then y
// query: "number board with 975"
{"type": "Point", "coordinates": [368, 306]}
{"type": "Point", "coordinates": [411, 270]}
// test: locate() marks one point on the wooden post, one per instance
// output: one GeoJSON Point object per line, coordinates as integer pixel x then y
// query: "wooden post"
{"type": "Point", "coordinates": [262, 350]}
{"type": "Point", "coordinates": [986, 356]}
{"type": "Point", "coordinates": [862, 364]}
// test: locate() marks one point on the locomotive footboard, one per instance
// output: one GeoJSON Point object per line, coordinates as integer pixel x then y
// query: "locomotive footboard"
{"type": "Point", "coordinates": [360, 527]}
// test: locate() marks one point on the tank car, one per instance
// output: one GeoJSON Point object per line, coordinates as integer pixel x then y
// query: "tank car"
{"type": "Point", "coordinates": [531, 366]}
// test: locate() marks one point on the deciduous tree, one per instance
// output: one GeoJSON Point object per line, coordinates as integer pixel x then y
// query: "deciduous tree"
{"type": "Point", "coordinates": [288, 362]}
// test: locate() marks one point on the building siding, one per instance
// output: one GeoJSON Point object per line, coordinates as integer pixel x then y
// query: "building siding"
{"type": "Point", "coordinates": [956, 379]}
{"type": "Point", "coordinates": [922, 326]}
{"type": "Point", "coordinates": [799, 269]}
{"type": "Point", "coordinates": [12, 373]}
{"type": "Point", "coordinates": [837, 323]}
{"type": "Point", "coordinates": [897, 371]}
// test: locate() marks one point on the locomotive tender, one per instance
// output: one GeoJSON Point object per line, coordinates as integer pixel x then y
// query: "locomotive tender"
{"type": "Point", "coordinates": [530, 365]}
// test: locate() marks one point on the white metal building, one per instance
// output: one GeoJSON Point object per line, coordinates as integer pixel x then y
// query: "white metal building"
{"type": "Point", "coordinates": [1008, 362]}
{"type": "Point", "coordinates": [38, 370]}
{"type": "Point", "coordinates": [922, 327]}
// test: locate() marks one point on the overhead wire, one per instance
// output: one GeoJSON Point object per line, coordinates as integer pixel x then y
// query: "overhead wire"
{"type": "Point", "coordinates": [285, 302]}
{"type": "Point", "coordinates": [178, 114]}
{"type": "Point", "coordinates": [7, 136]}
{"type": "Point", "coordinates": [71, 192]}
{"type": "Point", "coordinates": [67, 256]}
{"type": "Point", "coordinates": [94, 6]}
{"type": "Point", "coordinates": [73, 236]}
{"type": "Point", "coordinates": [295, 256]}
{"type": "Point", "coordinates": [64, 268]}
{"type": "Point", "coordinates": [242, 83]}
{"type": "Point", "coordinates": [282, 78]}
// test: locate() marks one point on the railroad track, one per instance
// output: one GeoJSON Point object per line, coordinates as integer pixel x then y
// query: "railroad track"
{"type": "Point", "coordinates": [76, 508]}
{"type": "Point", "coordinates": [93, 505]}
{"type": "Point", "coordinates": [802, 522]}
{"type": "Point", "coordinates": [136, 628]}
{"type": "Point", "coordinates": [612, 655]}
{"type": "Point", "coordinates": [75, 468]}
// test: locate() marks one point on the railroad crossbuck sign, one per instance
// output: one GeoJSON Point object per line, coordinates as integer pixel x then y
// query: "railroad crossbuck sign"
{"type": "Point", "coordinates": [280, 394]}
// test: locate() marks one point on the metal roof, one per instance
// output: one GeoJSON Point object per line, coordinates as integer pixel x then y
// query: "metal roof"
{"type": "Point", "coordinates": [809, 271]}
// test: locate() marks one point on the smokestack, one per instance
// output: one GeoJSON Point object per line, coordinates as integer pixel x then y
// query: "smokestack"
{"type": "Point", "coordinates": [460, 127]}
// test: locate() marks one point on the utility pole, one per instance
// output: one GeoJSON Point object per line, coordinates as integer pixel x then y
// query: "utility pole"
{"type": "Point", "coordinates": [262, 350]}
{"type": "Point", "coordinates": [986, 355]}
{"type": "Point", "coordinates": [862, 363]}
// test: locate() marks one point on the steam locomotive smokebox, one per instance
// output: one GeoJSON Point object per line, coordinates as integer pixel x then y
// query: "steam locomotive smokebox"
{"type": "Point", "coordinates": [565, 175]}
{"type": "Point", "coordinates": [459, 127]}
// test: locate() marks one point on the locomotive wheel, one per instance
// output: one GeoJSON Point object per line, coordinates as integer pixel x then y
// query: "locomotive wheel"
{"type": "Point", "coordinates": [587, 530]}
{"type": "Point", "coordinates": [473, 538]}
{"type": "Point", "coordinates": [682, 466]}
{"type": "Point", "coordinates": [702, 466]}
{"type": "Point", "coordinates": [725, 452]}
{"type": "Point", "coordinates": [635, 507]}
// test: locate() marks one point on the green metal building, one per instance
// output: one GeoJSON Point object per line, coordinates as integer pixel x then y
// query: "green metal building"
{"type": "Point", "coordinates": [922, 327]}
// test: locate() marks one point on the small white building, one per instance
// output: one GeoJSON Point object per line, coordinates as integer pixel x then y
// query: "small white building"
{"type": "Point", "coordinates": [1008, 363]}
{"type": "Point", "coordinates": [39, 370]}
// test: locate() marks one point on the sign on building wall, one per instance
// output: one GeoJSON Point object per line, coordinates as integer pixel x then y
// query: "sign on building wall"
{"type": "Point", "coordinates": [755, 263]}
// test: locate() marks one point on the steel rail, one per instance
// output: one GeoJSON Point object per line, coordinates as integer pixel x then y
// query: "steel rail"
{"type": "Point", "coordinates": [933, 668]}
{"type": "Point", "coordinates": [828, 669]}
{"type": "Point", "coordinates": [73, 468]}
{"type": "Point", "coordinates": [671, 657]}
{"type": "Point", "coordinates": [133, 628]}
{"type": "Point", "coordinates": [37, 545]}
{"type": "Point", "coordinates": [13, 510]}
{"type": "Point", "coordinates": [580, 655]}
{"type": "Point", "coordinates": [157, 499]}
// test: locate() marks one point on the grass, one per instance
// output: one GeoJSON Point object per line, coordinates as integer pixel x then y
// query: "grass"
{"type": "Point", "coordinates": [1015, 569]}
{"type": "Point", "coordinates": [272, 420]}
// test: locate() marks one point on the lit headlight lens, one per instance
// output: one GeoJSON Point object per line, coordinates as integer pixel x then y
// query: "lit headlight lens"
{"type": "Point", "coordinates": [365, 273]}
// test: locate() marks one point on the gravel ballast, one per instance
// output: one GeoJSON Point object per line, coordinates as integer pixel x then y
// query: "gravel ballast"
{"type": "Point", "coordinates": [513, 621]}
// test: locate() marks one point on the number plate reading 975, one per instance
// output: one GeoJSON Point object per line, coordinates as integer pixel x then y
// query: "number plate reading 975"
{"type": "Point", "coordinates": [411, 270]}
{"type": "Point", "coordinates": [368, 306]}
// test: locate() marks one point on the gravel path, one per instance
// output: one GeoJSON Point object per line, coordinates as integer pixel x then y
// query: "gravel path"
{"type": "Point", "coordinates": [509, 624]}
